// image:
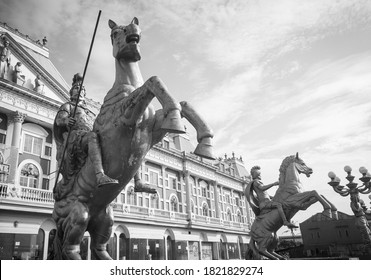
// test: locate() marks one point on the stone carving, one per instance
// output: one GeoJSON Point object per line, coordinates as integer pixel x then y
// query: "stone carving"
{"type": "Point", "coordinates": [18, 77]}
{"type": "Point", "coordinates": [39, 85]}
{"type": "Point", "coordinates": [292, 198]}
{"type": "Point", "coordinates": [127, 127]}
{"type": "Point", "coordinates": [5, 58]}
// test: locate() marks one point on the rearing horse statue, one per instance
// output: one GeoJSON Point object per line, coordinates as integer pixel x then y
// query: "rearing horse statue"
{"type": "Point", "coordinates": [127, 126]}
{"type": "Point", "coordinates": [292, 198]}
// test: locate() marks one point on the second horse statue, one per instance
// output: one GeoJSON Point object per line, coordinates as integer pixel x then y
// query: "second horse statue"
{"type": "Point", "coordinates": [127, 126]}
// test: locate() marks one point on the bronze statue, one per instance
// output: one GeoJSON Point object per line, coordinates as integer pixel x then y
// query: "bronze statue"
{"type": "Point", "coordinates": [292, 198]}
{"type": "Point", "coordinates": [127, 126]}
{"type": "Point", "coordinates": [360, 210]}
{"type": "Point", "coordinates": [261, 201]}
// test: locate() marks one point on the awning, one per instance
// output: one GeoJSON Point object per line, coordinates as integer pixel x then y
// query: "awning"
{"type": "Point", "coordinates": [144, 231]}
{"type": "Point", "coordinates": [186, 235]}
{"type": "Point", "coordinates": [19, 227]}
{"type": "Point", "coordinates": [245, 239]}
{"type": "Point", "coordinates": [213, 237]}
{"type": "Point", "coordinates": [231, 238]}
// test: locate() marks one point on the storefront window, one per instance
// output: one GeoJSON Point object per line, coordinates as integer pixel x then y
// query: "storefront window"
{"type": "Point", "coordinates": [22, 246]}
{"type": "Point", "coordinates": [181, 250]}
{"type": "Point", "coordinates": [207, 251]}
{"type": "Point", "coordinates": [112, 246]}
{"type": "Point", "coordinates": [156, 249]}
{"type": "Point", "coordinates": [123, 247]}
{"type": "Point", "coordinates": [194, 250]}
{"type": "Point", "coordinates": [233, 252]}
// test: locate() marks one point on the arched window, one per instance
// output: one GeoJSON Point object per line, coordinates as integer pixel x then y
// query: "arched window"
{"type": "Point", "coordinates": [174, 204]}
{"type": "Point", "coordinates": [29, 176]}
{"type": "Point", "coordinates": [205, 210]}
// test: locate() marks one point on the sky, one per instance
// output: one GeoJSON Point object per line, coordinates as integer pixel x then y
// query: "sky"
{"type": "Point", "coordinates": [271, 78]}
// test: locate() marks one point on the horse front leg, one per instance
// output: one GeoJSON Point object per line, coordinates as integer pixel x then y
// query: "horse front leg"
{"type": "Point", "coordinates": [204, 133]}
{"type": "Point", "coordinates": [171, 109]}
{"type": "Point", "coordinates": [314, 197]}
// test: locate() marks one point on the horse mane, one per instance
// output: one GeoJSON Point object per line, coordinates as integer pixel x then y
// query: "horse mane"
{"type": "Point", "coordinates": [285, 163]}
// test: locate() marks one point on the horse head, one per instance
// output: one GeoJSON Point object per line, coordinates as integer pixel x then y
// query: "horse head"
{"type": "Point", "coordinates": [298, 167]}
{"type": "Point", "coordinates": [125, 40]}
{"type": "Point", "coordinates": [301, 167]}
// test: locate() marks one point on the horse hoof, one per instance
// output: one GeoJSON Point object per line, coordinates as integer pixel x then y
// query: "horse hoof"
{"type": "Point", "coordinates": [204, 149]}
{"type": "Point", "coordinates": [172, 123]}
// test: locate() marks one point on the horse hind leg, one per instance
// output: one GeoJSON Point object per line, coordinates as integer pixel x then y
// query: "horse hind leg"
{"type": "Point", "coordinates": [100, 229]}
{"type": "Point", "coordinates": [263, 246]}
{"type": "Point", "coordinates": [204, 133]}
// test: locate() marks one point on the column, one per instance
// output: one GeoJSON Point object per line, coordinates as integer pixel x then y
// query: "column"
{"type": "Point", "coordinates": [216, 198]}
{"type": "Point", "coordinates": [182, 183]}
{"type": "Point", "coordinates": [197, 196]}
{"type": "Point", "coordinates": [223, 205]}
{"type": "Point", "coordinates": [233, 206]}
{"type": "Point", "coordinates": [17, 119]}
{"type": "Point", "coordinates": [46, 244]}
{"type": "Point", "coordinates": [164, 188]}
{"type": "Point", "coordinates": [188, 190]}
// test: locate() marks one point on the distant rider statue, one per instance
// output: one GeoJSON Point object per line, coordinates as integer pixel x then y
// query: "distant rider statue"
{"type": "Point", "coordinates": [261, 197]}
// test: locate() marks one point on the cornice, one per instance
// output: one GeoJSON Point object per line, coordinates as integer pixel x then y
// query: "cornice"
{"type": "Point", "coordinates": [19, 98]}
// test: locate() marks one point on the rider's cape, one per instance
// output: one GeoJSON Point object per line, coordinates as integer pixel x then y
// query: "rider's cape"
{"type": "Point", "coordinates": [252, 199]}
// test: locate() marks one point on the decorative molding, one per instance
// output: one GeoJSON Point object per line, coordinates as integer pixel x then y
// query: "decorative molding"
{"type": "Point", "coordinates": [16, 117]}
{"type": "Point", "coordinates": [27, 105]}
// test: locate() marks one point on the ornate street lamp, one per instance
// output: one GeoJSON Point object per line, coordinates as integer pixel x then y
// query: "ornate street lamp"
{"type": "Point", "coordinates": [357, 205]}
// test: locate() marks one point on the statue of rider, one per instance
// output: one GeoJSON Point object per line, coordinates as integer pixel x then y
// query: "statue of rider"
{"type": "Point", "coordinates": [263, 198]}
{"type": "Point", "coordinates": [85, 142]}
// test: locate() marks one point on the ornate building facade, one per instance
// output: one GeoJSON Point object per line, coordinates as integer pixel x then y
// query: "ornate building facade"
{"type": "Point", "coordinates": [198, 212]}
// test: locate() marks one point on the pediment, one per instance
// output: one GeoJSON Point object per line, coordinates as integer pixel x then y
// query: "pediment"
{"type": "Point", "coordinates": [33, 64]}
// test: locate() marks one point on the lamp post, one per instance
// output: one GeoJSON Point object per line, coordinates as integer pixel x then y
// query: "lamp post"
{"type": "Point", "coordinates": [357, 205]}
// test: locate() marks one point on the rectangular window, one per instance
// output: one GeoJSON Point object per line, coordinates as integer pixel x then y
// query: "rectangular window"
{"type": "Point", "coordinates": [32, 145]}
{"type": "Point", "coordinates": [23, 181]}
{"type": "Point", "coordinates": [153, 178]}
{"type": "Point", "coordinates": [45, 185]}
{"type": "Point", "coordinates": [204, 192]}
{"type": "Point", "coordinates": [48, 151]}
{"type": "Point", "coordinates": [173, 183]}
{"type": "Point", "coordinates": [2, 138]}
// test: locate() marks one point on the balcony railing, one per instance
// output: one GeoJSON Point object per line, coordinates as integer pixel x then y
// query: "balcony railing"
{"type": "Point", "coordinates": [12, 192]}
{"type": "Point", "coordinates": [39, 196]}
